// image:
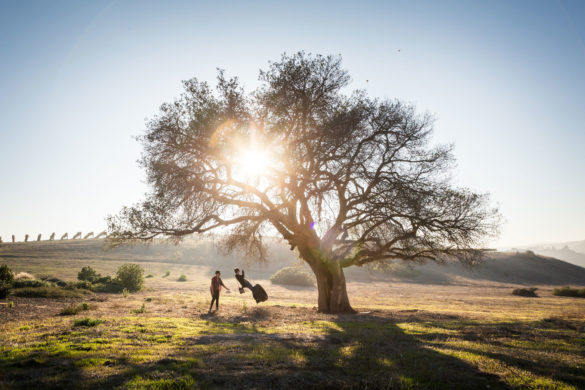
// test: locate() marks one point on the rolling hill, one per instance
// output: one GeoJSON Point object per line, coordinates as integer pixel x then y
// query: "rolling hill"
{"type": "Point", "coordinates": [502, 267]}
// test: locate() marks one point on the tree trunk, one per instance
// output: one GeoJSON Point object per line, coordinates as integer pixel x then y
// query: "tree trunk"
{"type": "Point", "coordinates": [333, 297]}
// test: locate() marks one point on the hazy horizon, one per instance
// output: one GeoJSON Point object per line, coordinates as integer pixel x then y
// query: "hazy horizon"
{"type": "Point", "coordinates": [505, 81]}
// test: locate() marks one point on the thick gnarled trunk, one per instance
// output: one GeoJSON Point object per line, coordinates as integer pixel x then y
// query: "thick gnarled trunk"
{"type": "Point", "coordinates": [332, 288]}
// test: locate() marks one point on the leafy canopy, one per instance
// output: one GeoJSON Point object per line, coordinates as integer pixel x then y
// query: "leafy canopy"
{"type": "Point", "coordinates": [339, 175]}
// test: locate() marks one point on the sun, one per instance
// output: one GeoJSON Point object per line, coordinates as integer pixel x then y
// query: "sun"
{"type": "Point", "coordinates": [253, 162]}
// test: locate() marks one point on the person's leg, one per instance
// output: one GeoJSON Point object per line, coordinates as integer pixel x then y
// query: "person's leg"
{"type": "Point", "coordinates": [248, 284]}
{"type": "Point", "coordinates": [212, 299]}
{"type": "Point", "coordinates": [217, 301]}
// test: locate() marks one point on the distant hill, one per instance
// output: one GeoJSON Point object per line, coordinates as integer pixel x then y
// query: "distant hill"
{"type": "Point", "coordinates": [502, 267]}
{"type": "Point", "coordinates": [571, 251]}
{"type": "Point", "coordinates": [565, 254]}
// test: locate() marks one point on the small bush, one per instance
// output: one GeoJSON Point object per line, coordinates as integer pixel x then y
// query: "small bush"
{"type": "Point", "coordinates": [130, 276]}
{"type": "Point", "coordinates": [139, 311]}
{"type": "Point", "coordinates": [33, 283]}
{"type": "Point", "coordinates": [11, 304]}
{"type": "Point", "coordinates": [182, 278]}
{"type": "Point", "coordinates": [87, 322]}
{"type": "Point", "coordinates": [6, 275]}
{"type": "Point", "coordinates": [293, 276]}
{"type": "Point", "coordinates": [525, 292]}
{"type": "Point", "coordinates": [149, 276]}
{"type": "Point", "coordinates": [48, 292]}
{"type": "Point", "coordinates": [57, 281]}
{"type": "Point", "coordinates": [569, 292]}
{"type": "Point", "coordinates": [103, 280]}
{"type": "Point", "coordinates": [4, 289]}
{"type": "Point", "coordinates": [82, 284]}
{"type": "Point", "coordinates": [88, 274]}
{"type": "Point", "coordinates": [166, 274]}
{"type": "Point", "coordinates": [125, 292]}
{"type": "Point", "coordinates": [72, 310]}
{"type": "Point", "coordinates": [113, 286]}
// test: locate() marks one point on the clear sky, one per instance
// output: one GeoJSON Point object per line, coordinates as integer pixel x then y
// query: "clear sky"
{"type": "Point", "coordinates": [505, 79]}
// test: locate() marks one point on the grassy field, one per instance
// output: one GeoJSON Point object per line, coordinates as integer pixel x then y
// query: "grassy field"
{"type": "Point", "coordinates": [406, 336]}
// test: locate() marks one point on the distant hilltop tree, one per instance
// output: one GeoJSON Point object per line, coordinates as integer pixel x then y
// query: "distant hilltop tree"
{"type": "Point", "coordinates": [26, 238]}
{"type": "Point", "coordinates": [39, 237]}
{"type": "Point", "coordinates": [88, 235]}
{"type": "Point", "coordinates": [345, 179]}
{"type": "Point", "coordinates": [76, 236]}
{"type": "Point", "coordinates": [65, 236]}
{"type": "Point", "coordinates": [13, 238]}
{"type": "Point", "coordinates": [52, 237]}
{"type": "Point", "coordinates": [101, 235]}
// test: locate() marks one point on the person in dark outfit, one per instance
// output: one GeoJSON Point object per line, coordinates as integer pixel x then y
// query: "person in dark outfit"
{"type": "Point", "coordinates": [242, 280]}
{"type": "Point", "coordinates": [215, 289]}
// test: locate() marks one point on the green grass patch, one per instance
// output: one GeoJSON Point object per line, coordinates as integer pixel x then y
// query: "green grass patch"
{"type": "Point", "coordinates": [75, 309]}
{"type": "Point", "coordinates": [88, 322]}
{"type": "Point", "coordinates": [33, 283]}
{"type": "Point", "coordinates": [182, 278]}
{"type": "Point", "coordinates": [158, 380]}
{"type": "Point", "coordinates": [141, 310]}
{"type": "Point", "coordinates": [49, 292]}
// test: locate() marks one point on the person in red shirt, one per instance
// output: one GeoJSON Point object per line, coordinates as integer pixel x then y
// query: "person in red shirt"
{"type": "Point", "coordinates": [215, 289]}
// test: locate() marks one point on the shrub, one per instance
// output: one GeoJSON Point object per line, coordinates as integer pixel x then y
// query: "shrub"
{"type": "Point", "coordinates": [48, 292]}
{"type": "Point", "coordinates": [57, 281]}
{"type": "Point", "coordinates": [149, 276]}
{"type": "Point", "coordinates": [525, 292]}
{"type": "Point", "coordinates": [130, 276]}
{"type": "Point", "coordinates": [166, 274]}
{"type": "Point", "coordinates": [87, 322]}
{"type": "Point", "coordinates": [293, 276]}
{"type": "Point", "coordinates": [83, 284]}
{"type": "Point", "coordinates": [6, 275]}
{"type": "Point", "coordinates": [69, 311]}
{"type": "Point", "coordinates": [33, 283]}
{"type": "Point", "coordinates": [72, 310]}
{"type": "Point", "coordinates": [113, 286]}
{"type": "Point", "coordinates": [182, 278]}
{"type": "Point", "coordinates": [103, 279]}
{"type": "Point", "coordinates": [4, 289]}
{"type": "Point", "coordinates": [139, 311]}
{"type": "Point", "coordinates": [89, 274]}
{"type": "Point", "coordinates": [569, 292]}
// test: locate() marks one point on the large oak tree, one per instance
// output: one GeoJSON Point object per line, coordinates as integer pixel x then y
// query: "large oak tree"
{"type": "Point", "coordinates": [343, 178]}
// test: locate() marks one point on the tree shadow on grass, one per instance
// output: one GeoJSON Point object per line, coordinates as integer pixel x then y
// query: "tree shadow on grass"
{"type": "Point", "coordinates": [511, 342]}
{"type": "Point", "coordinates": [366, 351]}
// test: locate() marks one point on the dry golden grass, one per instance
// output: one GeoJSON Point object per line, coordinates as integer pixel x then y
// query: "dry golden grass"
{"type": "Point", "coordinates": [407, 336]}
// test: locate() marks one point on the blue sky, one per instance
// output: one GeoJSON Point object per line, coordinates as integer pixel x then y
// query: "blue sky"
{"type": "Point", "coordinates": [505, 80]}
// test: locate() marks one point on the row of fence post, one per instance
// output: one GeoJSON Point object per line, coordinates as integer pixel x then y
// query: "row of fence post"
{"type": "Point", "coordinates": [65, 236]}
